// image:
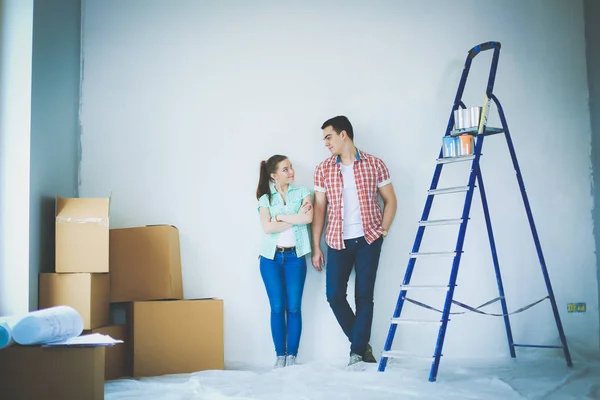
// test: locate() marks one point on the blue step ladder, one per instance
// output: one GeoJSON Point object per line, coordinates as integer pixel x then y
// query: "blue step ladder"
{"type": "Point", "coordinates": [480, 132]}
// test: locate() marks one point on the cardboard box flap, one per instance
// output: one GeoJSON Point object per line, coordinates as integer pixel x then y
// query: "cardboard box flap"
{"type": "Point", "coordinates": [82, 209]}
{"type": "Point", "coordinates": [163, 225]}
{"type": "Point", "coordinates": [180, 300]}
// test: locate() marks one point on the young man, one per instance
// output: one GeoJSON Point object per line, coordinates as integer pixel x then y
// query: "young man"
{"type": "Point", "coordinates": [347, 184]}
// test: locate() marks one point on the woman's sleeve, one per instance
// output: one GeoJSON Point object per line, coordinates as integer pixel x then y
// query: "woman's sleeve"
{"type": "Point", "coordinates": [262, 202]}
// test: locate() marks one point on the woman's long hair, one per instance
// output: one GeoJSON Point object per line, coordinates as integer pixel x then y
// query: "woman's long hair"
{"type": "Point", "coordinates": [266, 169]}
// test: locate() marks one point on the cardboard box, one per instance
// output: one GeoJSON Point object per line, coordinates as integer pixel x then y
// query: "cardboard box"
{"type": "Point", "coordinates": [145, 264]}
{"type": "Point", "coordinates": [89, 294]}
{"type": "Point", "coordinates": [118, 361]}
{"type": "Point", "coordinates": [34, 372]}
{"type": "Point", "coordinates": [82, 234]}
{"type": "Point", "coordinates": [176, 336]}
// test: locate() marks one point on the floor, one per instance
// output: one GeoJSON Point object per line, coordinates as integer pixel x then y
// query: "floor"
{"type": "Point", "coordinates": [532, 376]}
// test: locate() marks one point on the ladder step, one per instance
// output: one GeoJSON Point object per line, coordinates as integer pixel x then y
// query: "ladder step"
{"type": "Point", "coordinates": [402, 354]}
{"type": "Point", "coordinates": [537, 346]}
{"type": "Point", "coordinates": [447, 160]}
{"type": "Point", "coordinates": [438, 222]}
{"type": "Point", "coordinates": [425, 287]}
{"type": "Point", "coordinates": [414, 321]}
{"type": "Point", "coordinates": [433, 254]}
{"type": "Point", "coordinates": [455, 189]}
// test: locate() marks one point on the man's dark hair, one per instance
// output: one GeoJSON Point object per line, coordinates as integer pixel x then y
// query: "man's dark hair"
{"type": "Point", "coordinates": [338, 124]}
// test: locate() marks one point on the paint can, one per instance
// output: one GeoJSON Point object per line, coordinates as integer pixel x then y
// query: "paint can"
{"type": "Point", "coordinates": [475, 114]}
{"type": "Point", "coordinates": [462, 118]}
{"type": "Point", "coordinates": [449, 146]}
{"type": "Point", "coordinates": [457, 119]}
{"type": "Point", "coordinates": [466, 145]}
{"type": "Point", "coordinates": [465, 118]}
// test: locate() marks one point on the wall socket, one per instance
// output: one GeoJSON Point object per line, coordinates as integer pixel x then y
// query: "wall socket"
{"type": "Point", "coordinates": [576, 307]}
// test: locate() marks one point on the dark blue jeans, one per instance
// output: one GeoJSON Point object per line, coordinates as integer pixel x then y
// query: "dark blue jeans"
{"type": "Point", "coordinates": [284, 278]}
{"type": "Point", "coordinates": [365, 258]}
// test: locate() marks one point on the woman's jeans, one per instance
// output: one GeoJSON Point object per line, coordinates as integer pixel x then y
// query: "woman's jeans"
{"type": "Point", "coordinates": [284, 278]}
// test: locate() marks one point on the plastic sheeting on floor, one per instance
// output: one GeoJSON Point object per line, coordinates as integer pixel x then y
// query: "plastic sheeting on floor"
{"type": "Point", "coordinates": [528, 377]}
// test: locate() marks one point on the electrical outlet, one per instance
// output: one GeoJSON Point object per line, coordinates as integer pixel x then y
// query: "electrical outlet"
{"type": "Point", "coordinates": [576, 307]}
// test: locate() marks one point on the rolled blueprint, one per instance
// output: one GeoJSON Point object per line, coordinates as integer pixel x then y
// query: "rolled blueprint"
{"type": "Point", "coordinates": [48, 325]}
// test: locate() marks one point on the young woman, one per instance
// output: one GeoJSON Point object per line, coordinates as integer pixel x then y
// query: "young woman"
{"type": "Point", "coordinates": [285, 214]}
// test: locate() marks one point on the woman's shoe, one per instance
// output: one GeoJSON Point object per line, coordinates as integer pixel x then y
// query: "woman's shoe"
{"type": "Point", "coordinates": [290, 360]}
{"type": "Point", "coordinates": [279, 362]}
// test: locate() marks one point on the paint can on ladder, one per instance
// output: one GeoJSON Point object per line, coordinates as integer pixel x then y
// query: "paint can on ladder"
{"type": "Point", "coordinates": [466, 145]}
{"type": "Point", "coordinates": [449, 147]}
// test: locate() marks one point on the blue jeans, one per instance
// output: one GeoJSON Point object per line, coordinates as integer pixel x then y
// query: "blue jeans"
{"type": "Point", "coordinates": [284, 278]}
{"type": "Point", "coordinates": [365, 258]}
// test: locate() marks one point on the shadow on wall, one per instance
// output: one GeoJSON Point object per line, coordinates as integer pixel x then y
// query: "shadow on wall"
{"type": "Point", "coordinates": [41, 250]}
{"type": "Point", "coordinates": [45, 230]}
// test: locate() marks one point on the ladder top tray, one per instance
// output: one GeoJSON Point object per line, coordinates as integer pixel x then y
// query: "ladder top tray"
{"type": "Point", "coordinates": [475, 129]}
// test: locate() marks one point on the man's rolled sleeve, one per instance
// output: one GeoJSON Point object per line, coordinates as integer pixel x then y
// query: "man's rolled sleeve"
{"type": "Point", "coordinates": [383, 174]}
{"type": "Point", "coordinates": [319, 180]}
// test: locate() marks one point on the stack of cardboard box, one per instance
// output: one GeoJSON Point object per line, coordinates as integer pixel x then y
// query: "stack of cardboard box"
{"type": "Point", "coordinates": [168, 335]}
{"type": "Point", "coordinates": [96, 269]}
{"type": "Point", "coordinates": [138, 270]}
{"type": "Point", "coordinates": [81, 278]}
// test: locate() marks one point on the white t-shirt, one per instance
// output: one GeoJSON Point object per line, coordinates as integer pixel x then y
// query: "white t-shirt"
{"type": "Point", "coordinates": [286, 238]}
{"type": "Point", "coordinates": [352, 221]}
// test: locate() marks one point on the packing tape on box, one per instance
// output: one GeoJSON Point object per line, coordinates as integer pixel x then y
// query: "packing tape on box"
{"type": "Point", "coordinates": [66, 220]}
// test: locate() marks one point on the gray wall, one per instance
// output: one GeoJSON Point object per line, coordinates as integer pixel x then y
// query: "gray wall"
{"type": "Point", "coordinates": [592, 35]}
{"type": "Point", "coordinates": [54, 125]}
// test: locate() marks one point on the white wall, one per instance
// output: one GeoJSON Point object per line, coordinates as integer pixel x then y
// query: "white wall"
{"type": "Point", "coordinates": [16, 21]}
{"type": "Point", "coordinates": [181, 100]}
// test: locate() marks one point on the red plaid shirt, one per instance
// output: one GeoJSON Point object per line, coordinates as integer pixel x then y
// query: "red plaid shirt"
{"type": "Point", "coordinates": [370, 174]}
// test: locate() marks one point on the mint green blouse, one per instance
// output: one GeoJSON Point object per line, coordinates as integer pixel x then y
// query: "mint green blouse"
{"type": "Point", "coordinates": [295, 196]}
